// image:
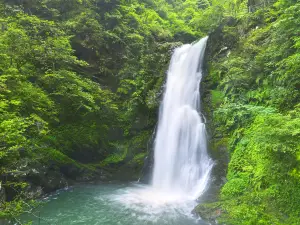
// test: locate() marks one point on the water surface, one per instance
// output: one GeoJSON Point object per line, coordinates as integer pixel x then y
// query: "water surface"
{"type": "Point", "coordinates": [114, 204]}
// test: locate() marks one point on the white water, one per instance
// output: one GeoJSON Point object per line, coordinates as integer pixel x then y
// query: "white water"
{"type": "Point", "coordinates": [182, 166]}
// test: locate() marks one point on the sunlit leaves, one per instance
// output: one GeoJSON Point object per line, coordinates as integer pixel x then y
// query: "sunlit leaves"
{"type": "Point", "coordinates": [259, 111]}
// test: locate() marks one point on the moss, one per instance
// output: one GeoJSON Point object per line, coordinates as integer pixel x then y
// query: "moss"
{"type": "Point", "coordinates": [217, 98]}
{"type": "Point", "coordinates": [235, 187]}
{"type": "Point", "coordinates": [219, 143]}
{"type": "Point", "coordinates": [139, 159]}
{"type": "Point", "coordinates": [114, 159]}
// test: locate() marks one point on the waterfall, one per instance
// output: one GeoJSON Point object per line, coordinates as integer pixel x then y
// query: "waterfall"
{"type": "Point", "coordinates": [181, 163]}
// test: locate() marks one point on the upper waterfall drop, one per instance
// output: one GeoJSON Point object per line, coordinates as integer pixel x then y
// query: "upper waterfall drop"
{"type": "Point", "coordinates": [181, 163]}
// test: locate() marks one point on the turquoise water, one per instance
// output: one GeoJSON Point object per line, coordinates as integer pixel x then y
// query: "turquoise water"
{"type": "Point", "coordinates": [114, 204]}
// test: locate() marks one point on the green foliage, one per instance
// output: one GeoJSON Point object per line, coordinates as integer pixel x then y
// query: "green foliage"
{"type": "Point", "coordinates": [80, 83]}
{"type": "Point", "coordinates": [259, 113]}
{"type": "Point", "coordinates": [216, 98]}
{"type": "Point", "coordinates": [43, 101]}
{"type": "Point", "coordinates": [236, 187]}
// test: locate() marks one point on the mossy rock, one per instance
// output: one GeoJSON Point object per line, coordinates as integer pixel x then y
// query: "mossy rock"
{"type": "Point", "coordinates": [210, 212]}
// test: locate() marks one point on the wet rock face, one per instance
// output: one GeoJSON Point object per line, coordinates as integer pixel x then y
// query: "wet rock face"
{"type": "Point", "coordinates": [219, 46]}
{"type": "Point", "coordinates": [147, 169]}
{"type": "Point", "coordinates": [2, 195]}
{"type": "Point", "coordinates": [4, 222]}
{"type": "Point", "coordinates": [217, 147]}
{"type": "Point", "coordinates": [43, 179]}
{"type": "Point", "coordinates": [220, 43]}
{"type": "Point", "coordinates": [34, 192]}
{"type": "Point", "coordinates": [54, 180]}
{"type": "Point", "coordinates": [47, 179]}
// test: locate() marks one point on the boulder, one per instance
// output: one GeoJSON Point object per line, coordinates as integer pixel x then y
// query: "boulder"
{"type": "Point", "coordinates": [2, 194]}
{"type": "Point", "coordinates": [209, 212]}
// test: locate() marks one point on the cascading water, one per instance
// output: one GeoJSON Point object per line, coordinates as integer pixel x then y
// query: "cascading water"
{"type": "Point", "coordinates": [181, 171]}
{"type": "Point", "coordinates": [181, 163]}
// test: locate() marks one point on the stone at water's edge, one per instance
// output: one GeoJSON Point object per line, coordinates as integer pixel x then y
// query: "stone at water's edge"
{"type": "Point", "coordinates": [2, 194]}
{"type": "Point", "coordinates": [2, 200]}
{"type": "Point", "coordinates": [34, 192]}
{"type": "Point", "coordinates": [4, 222]}
{"type": "Point", "coordinates": [209, 212]}
{"type": "Point", "coordinates": [44, 180]}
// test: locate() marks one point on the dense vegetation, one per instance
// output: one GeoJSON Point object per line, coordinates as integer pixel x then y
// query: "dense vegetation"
{"type": "Point", "coordinates": [80, 82]}
{"type": "Point", "coordinates": [255, 94]}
